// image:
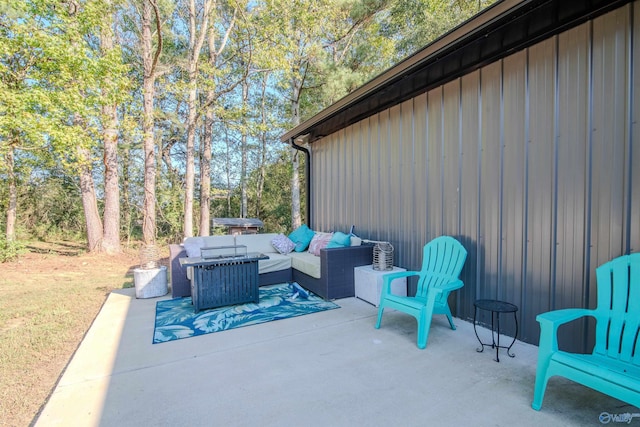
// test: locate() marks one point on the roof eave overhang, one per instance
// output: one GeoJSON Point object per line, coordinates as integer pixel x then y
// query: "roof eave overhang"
{"type": "Point", "coordinates": [500, 30]}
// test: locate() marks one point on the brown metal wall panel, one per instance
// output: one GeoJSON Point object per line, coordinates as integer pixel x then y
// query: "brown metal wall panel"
{"type": "Point", "coordinates": [610, 92]}
{"type": "Point", "coordinates": [530, 161]}
{"type": "Point", "coordinates": [451, 159]}
{"type": "Point", "coordinates": [361, 170]}
{"type": "Point", "coordinates": [345, 180]}
{"type": "Point", "coordinates": [451, 167]}
{"type": "Point", "coordinates": [434, 164]}
{"type": "Point", "coordinates": [326, 202]}
{"type": "Point", "coordinates": [470, 189]}
{"type": "Point", "coordinates": [420, 180]}
{"type": "Point", "coordinates": [328, 199]}
{"type": "Point", "coordinates": [540, 177]}
{"type": "Point", "coordinates": [389, 173]}
{"type": "Point", "coordinates": [406, 242]}
{"type": "Point", "coordinates": [570, 284]}
{"type": "Point", "coordinates": [317, 185]}
{"type": "Point", "coordinates": [608, 138]}
{"type": "Point", "coordinates": [395, 202]}
{"type": "Point", "coordinates": [633, 244]}
{"type": "Point", "coordinates": [567, 287]}
{"type": "Point", "coordinates": [374, 174]}
{"type": "Point", "coordinates": [513, 181]}
{"type": "Point", "coordinates": [490, 180]}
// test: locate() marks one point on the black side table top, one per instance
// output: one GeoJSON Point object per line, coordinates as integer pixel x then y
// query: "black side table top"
{"type": "Point", "coordinates": [496, 306]}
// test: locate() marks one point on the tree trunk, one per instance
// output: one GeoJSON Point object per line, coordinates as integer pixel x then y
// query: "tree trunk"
{"type": "Point", "coordinates": [190, 166]}
{"type": "Point", "coordinates": [111, 243]}
{"type": "Point", "coordinates": [228, 170]}
{"type": "Point", "coordinates": [205, 174]}
{"type": "Point", "coordinates": [149, 63]}
{"type": "Point", "coordinates": [126, 207]}
{"type": "Point", "coordinates": [210, 117]}
{"type": "Point", "coordinates": [263, 147]}
{"type": "Point", "coordinates": [13, 194]}
{"type": "Point", "coordinates": [296, 219]}
{"type": "Point", "coordinates": [111, 215]}
{"type": "Point", "coordinates": [196, 40]}
{"type": "Point", "coordinates": [243, 151]}
{"type": "Point", "coordinates": [89, 201]}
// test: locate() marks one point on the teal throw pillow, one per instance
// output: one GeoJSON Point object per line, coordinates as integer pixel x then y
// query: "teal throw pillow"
{"type": "Point", "coordinates": [339, 240]}
{"type": "Point", "coordinates": [302, 236]}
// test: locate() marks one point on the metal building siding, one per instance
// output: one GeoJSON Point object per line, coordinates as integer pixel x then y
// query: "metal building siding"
{"type": "Point", "coordinates": [374, 157]}
{"type": "Point", "coordinates": [634, 142]}
{"type": "Point", "coordinates": [572, 122]}
{"type": "Point", "coordinates": [407, 176]}
{"type": "Point", "coordinates": [490, 180]}
{"type": "Point", "coordinates": [451, 159]}
{"type": "Point", "coordinates": [451, 166]}
{"type": "Point", "coordinates": [433, 196]}
{"type": "Point", "coordinates": [608, 137]}
{"type": "Point", "coordinates": [470, 187]}
{"type": "Point", "coordinates": [531, 162]}
{"type": "Point", "coordinates": [514, 191]}
{"type": "Point", "coordinates": [420, 220]}
{"type": "Point", "coordinates": [541, 130]}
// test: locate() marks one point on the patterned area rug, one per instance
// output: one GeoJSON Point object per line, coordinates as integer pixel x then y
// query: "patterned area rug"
{"type": "Point", "coordinates": [175, 318]}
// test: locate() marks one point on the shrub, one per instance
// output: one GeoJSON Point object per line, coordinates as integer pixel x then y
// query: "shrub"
{"type": "Point", "coordinates": [10, 250]}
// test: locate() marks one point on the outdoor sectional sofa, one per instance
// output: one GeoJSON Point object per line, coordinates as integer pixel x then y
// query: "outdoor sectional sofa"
{"type": "Point", "coordinates": [329, 275]}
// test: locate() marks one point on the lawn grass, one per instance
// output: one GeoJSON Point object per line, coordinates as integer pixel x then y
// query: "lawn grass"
{"type": "Point", "coordinates": [48, 300]}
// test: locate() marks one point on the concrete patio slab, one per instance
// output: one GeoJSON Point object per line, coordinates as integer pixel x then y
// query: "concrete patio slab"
{"type": "Point", "coordinates": [325, 369]}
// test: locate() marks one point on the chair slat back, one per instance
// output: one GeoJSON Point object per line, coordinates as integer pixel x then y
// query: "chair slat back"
{"type": "Point", "coordinates": [618, 310]}
{"type": "Point", "coordinates": [442, 262]}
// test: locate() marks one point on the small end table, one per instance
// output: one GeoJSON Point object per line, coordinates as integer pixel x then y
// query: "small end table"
{"type": "Point", "coordinates": [496, 308]}
{"type": "Point", "coordinates": [368, 283]}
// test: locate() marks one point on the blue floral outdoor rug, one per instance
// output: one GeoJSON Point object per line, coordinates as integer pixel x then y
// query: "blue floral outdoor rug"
{"type": "Point", "coordinates": [175, 318]}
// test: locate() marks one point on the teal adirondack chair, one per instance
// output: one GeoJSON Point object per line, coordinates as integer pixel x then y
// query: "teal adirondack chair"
{"type": "Point", "coordinates": [442, 261]}
{"type": "Point", "coordinates": [613, 367]}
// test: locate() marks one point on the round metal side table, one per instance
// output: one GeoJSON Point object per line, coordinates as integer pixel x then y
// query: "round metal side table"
{"type": "Point", "coordinates": [496, 308]}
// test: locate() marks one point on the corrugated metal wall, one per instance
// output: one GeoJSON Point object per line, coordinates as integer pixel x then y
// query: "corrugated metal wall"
{"type": "Point", "coordinates": [532, 162]}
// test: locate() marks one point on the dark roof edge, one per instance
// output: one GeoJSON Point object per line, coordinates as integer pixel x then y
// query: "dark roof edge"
{"type": "Point", "coordinates": [501, 14]}
{"type": "Point", "coordinates": [463, 30]}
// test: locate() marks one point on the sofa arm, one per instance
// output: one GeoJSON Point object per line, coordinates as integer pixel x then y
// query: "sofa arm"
{"type": "Point", "coordinates": [337, 264]}
{"type": "Point", "coordinates": [180, 285]}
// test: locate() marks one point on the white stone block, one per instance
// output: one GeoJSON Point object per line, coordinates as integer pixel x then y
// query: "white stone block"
{"type": "Point", "coordinates": [150, 282]}
{"type": "Point", "coordinates": [368, 283]}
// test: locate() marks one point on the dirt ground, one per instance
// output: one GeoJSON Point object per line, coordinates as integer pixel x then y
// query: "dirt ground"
{"type": "Point", "coordinates": [48, 300]}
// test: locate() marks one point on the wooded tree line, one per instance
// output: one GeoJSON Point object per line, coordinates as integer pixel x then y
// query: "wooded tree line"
{"type": "Point", "coordinates": [141, 119]}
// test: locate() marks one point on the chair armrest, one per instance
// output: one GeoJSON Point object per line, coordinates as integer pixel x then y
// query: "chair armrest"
{"type": "Point", "coordinates": [556, 318]}
{"type": "Point", "coordinates": [552, 320]}
{"type": "Point", "coordinates": [448, 287]}
{"type": "Point", "coordinates": [390, 277]}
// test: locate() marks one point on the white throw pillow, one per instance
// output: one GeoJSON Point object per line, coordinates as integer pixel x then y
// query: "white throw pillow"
{"type": "Point", "coordinates": [283, 244]}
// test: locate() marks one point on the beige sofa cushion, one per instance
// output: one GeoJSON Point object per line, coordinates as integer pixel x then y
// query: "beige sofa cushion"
{"type": "Point", "coordinates": [224, 240]}
{"type": "Point", "coordinates": [306, 262]}
{"type": "Point", "coordinates": [257, 242]}
{"type": "Point", "coordinates": [276, 262]}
